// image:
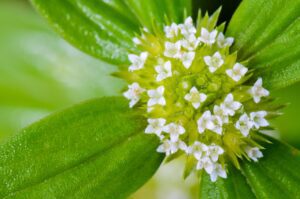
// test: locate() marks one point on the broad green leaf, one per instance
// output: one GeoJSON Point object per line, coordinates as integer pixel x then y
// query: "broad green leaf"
{"type": "Point", "coordinates": [105, 29]}
{"type": "Point", "coordinates": [276, 175]}
{"type": "Point", "coordinates": [267, 34]}
{"type": "Point", "coordinates": [93, 150]}
{"type": "Point", "coordinates": [41, 73]}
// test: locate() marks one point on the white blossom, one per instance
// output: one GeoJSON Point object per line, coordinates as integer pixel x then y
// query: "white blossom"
{"type": "Point", "coordinates": [175, 130]}
{"type": "Point", "coordinates": [190, 43]}
{"type": "Point", "coordinates": [195, 97]}
{"type": "Point", "coordinates": [237, 72]}
{"type": "Point", "coordinates": [137, 62]}
{"type": "Point", "coordinates": [169, 147]}
{"type": "Point", "coordinates": [254, 153]}
{"type": "Point", "coordinates": [214, 151]}
{"type": "Point", "coordinates": [206, 164]}
{"type": "Point", "coordinates": [258, 119]}
{"type": "Point", "coordinates": [136, 41]}
{"type": "Point", "coordinates": [214, 62]}
{"type": "Point", "coordinates": [230, 106]}
{"type": "Point", "coordinates": [198, 149]}
{"type": "Point", "coordinates": [164, 71]}
{"type": "Point", "coordinates": [257, 91]}
{"type": "Point", "coordinates": [211, 122]}
{"type": "Point", "coordinates": [171, 31]}
{"type": "Point", "coordinates": [224, 42]}
{"type": "Point", "coordinates": [219, 111]}
{"type": "Point", "coordinates": [244, 124]}
{"type": "Point", "coordinates": [156, 96]}
{"type": "Point", "coordinates": [216, 172]}
{"type": "Point", "coordinates": [208, 37]}
{"type": "Point", "coordinates": [155, 126]}
{"type": "Point", "coordinates": [188, 27]}
{"type": "Point", "coordinates": [173, 50]}
{"type": "Point", "coordinates": [187, 59]}
{"type": "Point", "coordinates": [133, 93]}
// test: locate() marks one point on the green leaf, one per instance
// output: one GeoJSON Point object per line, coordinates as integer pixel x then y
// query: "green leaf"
{"type": "Point", "coordinates": [276, 175]}
{"type": "Point", "coordinates": [93, 150]}
{"type": "Point", "coordinates": [105, 29]}
{"type": "Point", "coordinates": [40, 73]}
{"type": "Point", "coordinates": [267, 34]}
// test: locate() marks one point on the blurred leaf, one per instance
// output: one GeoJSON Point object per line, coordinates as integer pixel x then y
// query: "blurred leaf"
{"type": "Point", "coordinates": [105, 29]}
{"type": "Point", "coordinates": [274, 176]}
{"type": "Point", "coordinates": [267, 33]}
{"type": "Point", "coordinates": [93, 150]}
{"type": "Point", "coordinates": [41, 73]}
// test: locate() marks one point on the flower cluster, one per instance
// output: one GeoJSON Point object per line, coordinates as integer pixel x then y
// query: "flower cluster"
{"type": "Point", "coordinates": [198, 99]}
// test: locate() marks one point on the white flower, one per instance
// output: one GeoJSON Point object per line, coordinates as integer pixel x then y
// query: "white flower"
{"type": "Point", "coordinates": [136, 41]}
{"type": "Point", "coordinates": [133, 93]}
{"type": "Point", "coordinates": [258, 119]}
{"type": "Point", "coordinates": [237, 72]}
{"type": "Point", "coordinates": [216, 172]}
{"type": "Point", "coordinates": [175, 130]}
{"type": "Point", "coordinates": [214, 151]}
{"type": "Point", "coordinates": [254, 153]}
{"type": "Point", "coordinates": [173, 50]}
{"type": "Point", "coordinates": [257, 91]}
{"type": "Point", "coordinates": [198, 149]}
{"type": "Point", "coordinates": [224, 42]}
{"type": "Point", "coordinates": [156, 96]}
{"type": "Point", "coordinates": [244, 124]}
{"type": "Point", "coordinates": [205, 163]}
{"type": "Point", "coordinates": [171, 31]}
{"type": "Point", "coordinates": [155, 126]}
{"type": "Point", "coordinates": [169, 147]}
{"type": "Point", "coordinates": [190, 43]}
{"type": "Point", "coordinates": [219, 111]}
{"type": "Point", "coordinates": [211, 122]}
{"type": "Point", "coordinates": [187, 59]}
{"type": "Point", "coordinates": [137, 62]}
{"type": "Point", "coordinates": [195, 97]}
{"type": "Point", "coordinates": [208, 37]}
{"type": "Point", "coordinates": [187, 28]}
{"type": "Point", "coordinates": [204, 121]}
{"type": "Point", "coordinates": [164, 71]}
{"type": "Point", "coordinates": [214, 62]}
{"type": "Point", "coordinates": [230, 106]}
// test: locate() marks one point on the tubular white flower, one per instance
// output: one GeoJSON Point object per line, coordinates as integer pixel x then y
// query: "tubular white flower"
{"type": "Point", "coordinates": [214, 62]}
{"type": "Point", "coordinates": [190, 43]}
{"type": "Point", "coordinates": [187, 59]}
{"type": "Point", "coordinates": [164, 71]}
{"type": "Point", "coordinates": [157, 96]}
{"type": "Point", "coordinates": [207, 37]}
{"type": "Point", "coordinates": [171, 31]}
{"type": "Point", "coordinates": [216, 172]}
{"type": "Point", "coordinates": [188, 27]}
{"type": "Point", "coordinates": [224, 42]}
{"type": "Point", "coordinates": [205, 121]}
{"type": "Point", "coordinates": [155, 126]}
{"type": "Point", "coordinates": [230, 106]}
{"type": "Point", "coordinates": [257, 91]}
{"type": "Point", "coordinates": [173, 50]}
{"type": "Point", "coordinates": [206, 164]}
{"type": "Point", "coordinates": [237, 72]}
{"type": "Point", "coordinates": [169, 147]}
{"type": "Point", "coordinates": [175, 130]}
{"type": "Point", "coordinates": [254, 153]}
{"type": "Point", "coordinates": [195, 97]}
{"type": "Point", "coordinates": [198, 149]}
{"type": "Point", "coordinates": [214, 151]}
{"type": "Point", "coordinates": [220, 112]}
{"type": "Point", "coordinates": [244, 124]}
{"type": "Point", "coordinates": [137, 62]}
{"type": "Point", "coordinates": [258, 119]}
{"type": "Point", "coordinates": [133, 93]}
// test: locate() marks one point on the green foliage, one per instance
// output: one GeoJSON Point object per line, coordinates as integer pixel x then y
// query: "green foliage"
{"type": "Point", "coordinates": [93, 150]}
{"type": "Point", "coordinates": [105, 29]}
{"type": "Point", "coordinates": [276, 175]}
{"type": "Point", "coordinates": [267, 34]}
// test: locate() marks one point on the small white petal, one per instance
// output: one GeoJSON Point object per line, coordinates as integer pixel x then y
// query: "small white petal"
{"type": "Point", "coordinates": [244, 124]}
{"type": "Point", "coordinates": [188, 27]}
{"type": "Point", "coordinates": [171, 31]}
{"type": "Point", "coordinates": [175, 130]}
{"type": "Point", "coordinates": [214, 62]}
{"type": "Point", "coordinates": [257, 91]}
{"type": "Point", "coordinates": [137, 62]}
{"type": "Point", "coordinates": [254, 153]}
{"type": "Point", "coordinates": [207, 37]}
{"type": "Point", "coordinates": [187, 59]}
{"type": "Point", "coordinates": [155, 126]}
{"type": "Point", "coordinates": [237, 72]}
{"type": "Point", "coordinates": [190, 43]}
{"type": "Point", "coordinates": [230, 106]}
{"type": "Point", "coordinates": [133, 93]}
{"type": "Point", "coordinates": [219, 111]}
{"type": "Point", "coordinates": [164, 71]}
{"type": "Point", "coordinates": [173, 50]}
{"type": "Point", "coordinates": [224, 42]}
{"type": "Point", "coordinates": [205, 122]}
{"type": "Point", "coordinates": [258, 119]}
{"type": "Point", "coordinates": [136, 41]}
{"type": "Point", "coordinates": [218, 171]}
{"type": "Point", "coordinates": [156, 96]}
{"type": "Point", "coordinates": [195, 97]}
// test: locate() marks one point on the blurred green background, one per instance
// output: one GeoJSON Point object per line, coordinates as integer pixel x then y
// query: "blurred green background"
{"type": "Point", "coordinates": [41, 73]}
